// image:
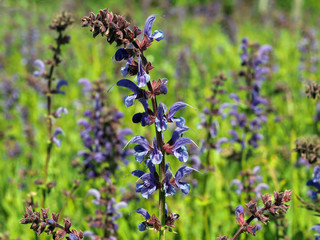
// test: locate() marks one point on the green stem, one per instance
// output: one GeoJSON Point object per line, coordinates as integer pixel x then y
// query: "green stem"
{"type": "Point", "coordinates": [162, 172]}
{"type": "Point", "coordinates": [49, 119]}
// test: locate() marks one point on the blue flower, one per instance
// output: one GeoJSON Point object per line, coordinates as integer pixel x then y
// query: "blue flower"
{"type": "Point", "coordinates": [176, 145]}
{"type": "Point", "coordinates": [61, 83]}
{"type": "Point", "coordinates": [121, 54]}
{"type": "Point", "coordinates": [143, 225]}
{"type": "Point", "coordinates": [142, 77]}
{"type": "Point", "coordinates": [161, 121]}
{"type": "Point", "coordinates": [157, 35]}
{"type": "Point", "coordinates": [142, 149]}
{"type": "Point", "coordinates": [149, 180]}
{"type": "Point", "coordinates": [183, 186]}
{"type": "Point", "coordinates": [40, 65]}
{"type": "Point", "coordinates": [137, 92]}
{"type": "Point", "coordinates": [54, 138]}
{"type": "Point", "coordinates": [146, 118]}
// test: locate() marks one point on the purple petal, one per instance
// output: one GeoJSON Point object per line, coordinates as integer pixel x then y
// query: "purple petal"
{"type": "Point", "coordinates": [175, 107]}
{"type": "Point", "coordinates": [183, 171]}
{"type": "Point", "coordinates": [156, 156]}
{"type": "Point", "coordinates": [177, 133]}
{"type": "Point", "coordinates": [41, 66]}
{"type": "Point", "coordinates": [54, 139]}
{"type": "Point", "coordinates": [120, 54]}
{"type": "Point", "coordinates": [181, 142]}
{"type": "Point", "coordinates": [128, 84]}
{"type": "Point", "coordinates": [144, 213]}
{"type": "Point", "coordinates": [61, 83]}
{"type": "Point", "coordinates": [161, 121]}
{"type": "Point", "coordinates": [148, 25]}
{"type": "Point", "coordinates": [59, 111]}
{"type": "Point", "coordinates": [86, 85]}
{"type": "Point", "coordinates": [239, 210]}
{"type": "Point", "coordinates": [140, 140]}
{"type": "Point", "coordinates": [137, 173]}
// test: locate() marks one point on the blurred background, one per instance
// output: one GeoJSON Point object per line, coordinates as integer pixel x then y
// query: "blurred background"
{"type": "Point", "coordinates": [202, 39]}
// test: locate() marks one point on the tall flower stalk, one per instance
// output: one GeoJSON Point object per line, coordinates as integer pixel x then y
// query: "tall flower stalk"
{"type": "Point", "coordinates": [116, 29]}
{"type": "Point", "coordinates": [58, 24]}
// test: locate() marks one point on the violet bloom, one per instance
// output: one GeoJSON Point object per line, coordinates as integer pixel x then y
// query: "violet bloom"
{"type": "Point", "coordinates": [315, 182]}
{"type": "Point", "coordinates": [142, 77]}
{"type": "Point", "coordinates": [162, 118]}
{"type": "Point", "coordinates": [58, 113]}
{"type": "Point", "coordinates": [317, 229]}
{"type": "Point", "coordinates": [143, 226]}
{"type": "Point", "coordinates": [142, 149]}
{"type": "Point", "coordinates": [121, 54]}
{"type": "Point", "coordinates": [168, 187]}
{"type": "Point", "coordinates": [157, 35]}
{"type": "Point", "coordinates": [41, 66]}
{"type": "Point", "coordinates": [183, 186]}
{"type": "Point", "coordinates": [86, 85]}
{"type": "Point", "coordinates": [124, 70]}
{"type": "Point", "coordinates": [61, 83]}
{"type": "Point", "coordinates": [149, 180]}
{"type": "Point", "coordinates": [161, 121]}
{"type": "Point", "coordinates": [239, 210]}
{"type": "Point", "coordinates": [146, 117]}
{"type": "Point", "coordinates": [176, 145]}
{"type": "Point", "coordinates": [54, 138]}
{"type": "Point", "coordinates": [137, 92]}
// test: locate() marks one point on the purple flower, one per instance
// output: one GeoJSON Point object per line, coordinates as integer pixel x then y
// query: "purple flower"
{"type": "Point", "coordinates": [121, 54]}
{"type": "Point", "coordinates": [239, 185]}
{"type": "Point", "coordinates": [157, 35]}
{"type": "Point", "coordinates": [180, 122]}
{"type": "Point", "coordinates": [124, 70]}
{"type": "Point", "coordinates": [137, 92]}
{"type": "Point", "coordinates": [317, 229]}
{"type": "Point", "coordinates": [259, 188]}
{"type": "Point", "coordinates": [40, 65]}
{"type": "Point", "coordinates": [59, 111]}
{"type": "Point", "coordinates": [142, 77]}
{"type": "Point", "coordinates": [254, 139]}
{"type": "Point", "coordinates": [142, 149]}
{"type": "Point", "coordinates": [143, 226]}
{"type": "Point", "coordinates": [239, 210]}
{"type": "Point", "coordinates": [87, 87]}
{"type": "Point", "coordinates": [220, 142]}
{"type": "Point", "coordinates": [96, 194]}
{"type": "Point", "coordinates": [61, 83]}
{"type": "Point", "coordinates": [168, 187]}
{"type": "Point", "coordinates": [183, 186]}
{"type": "Point", "coordinates": [156, 155]}
{"type": "Point", "coordinates": [161, 121]}
{"type": "Point", "coordinates": [176, 145]}
{"type": "Point", "coordinates": [54, 138]}
{"type": "Point", "coordinates": [144, 118]}
{"type": "Point", "coordinates": [149, 183]}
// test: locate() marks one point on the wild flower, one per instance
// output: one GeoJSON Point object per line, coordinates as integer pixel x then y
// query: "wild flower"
{"type": "Point", "coordinates": [117, 30]}
{"type": "Point", "coordinates": [101, 134]}
{"type": "Point", "coordinates": [248, 115]}
{"type": "Point", "coordinates": [250, 184]}
{"type": "Point", "coordinates": [49, 225]}
{"type": "Point", "coordinates": [278, 205]}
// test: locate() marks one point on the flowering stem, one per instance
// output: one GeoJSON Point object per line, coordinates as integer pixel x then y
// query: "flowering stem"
{"type": "Point", "coordinates": [49, 117]}
{"type": "Point", "coordinates": [248, 221]}
{"type": "Point", "coordinates": [162, 172]}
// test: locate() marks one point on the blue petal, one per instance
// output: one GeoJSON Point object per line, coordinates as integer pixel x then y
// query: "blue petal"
{"type": "Point", "coordinates": [175, 107]}
{"type": "Point", "coordinates": [128, 84]}
{"type": "Point", "coordinates": [148, 25]}
{"type": "Point", "coordinates": [61, 83]}
{"type": "Point", "coordinates": [144, 213]}
{"type": "Point", "coordinates": [120, 54]}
